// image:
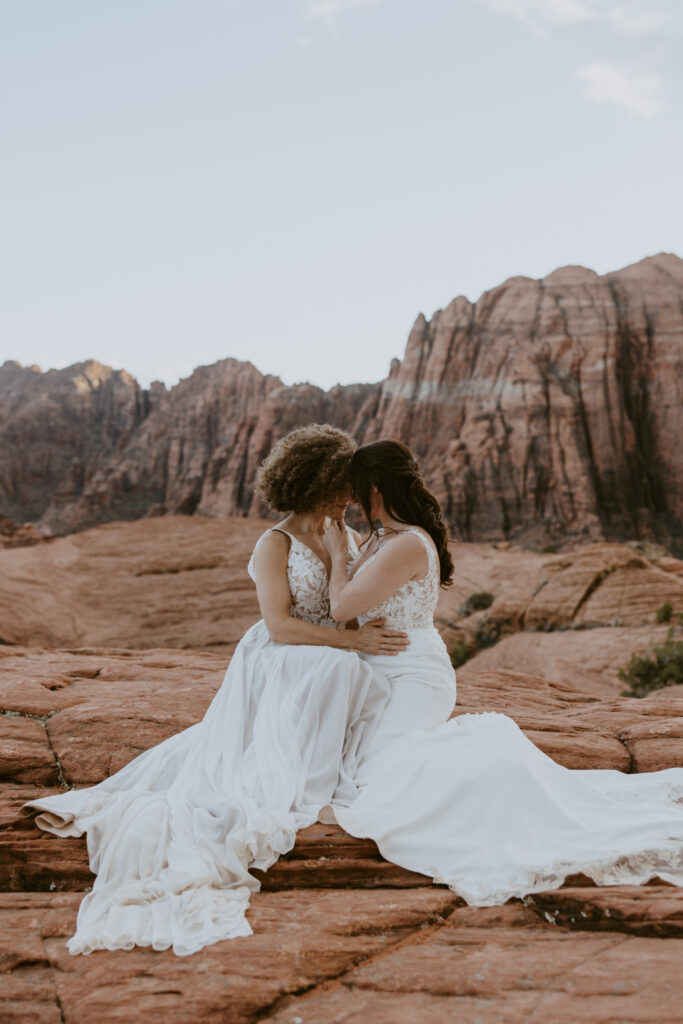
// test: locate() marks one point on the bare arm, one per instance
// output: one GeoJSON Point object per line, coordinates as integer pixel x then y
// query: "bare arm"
{"type": "Point", "coordinates": [270, 569]}
{"type": "Point", "coordinates": [403, 558]}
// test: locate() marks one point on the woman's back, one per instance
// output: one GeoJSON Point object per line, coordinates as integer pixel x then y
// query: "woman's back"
{"type": "Point", "coordinates": [413, 605]}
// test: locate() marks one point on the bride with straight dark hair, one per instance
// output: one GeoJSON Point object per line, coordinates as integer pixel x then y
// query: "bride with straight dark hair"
{"type": "Point", "coordinates": [471, 801]}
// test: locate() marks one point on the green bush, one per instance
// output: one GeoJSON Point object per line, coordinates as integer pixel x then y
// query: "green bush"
{"type": "Point", "coordinates": [487, 635]}
{"type": "Point", "coordinates": [549, 549]}
{"type": "Point", "coordinates": [653, 671]}
{"type": "Point", "coordinates": [460, 652]}
{"type": "Point", "coordinates": [664, 613]}
{"type": "Point", "coordinates": [477, 603]}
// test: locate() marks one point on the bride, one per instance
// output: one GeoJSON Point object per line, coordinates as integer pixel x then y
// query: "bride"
{"type": "Point", "coordinates": [298, 733]}
{"type": "Point", "coordinates": [173, 834]}
{"type": "Point", "coordinates": [472, 802]}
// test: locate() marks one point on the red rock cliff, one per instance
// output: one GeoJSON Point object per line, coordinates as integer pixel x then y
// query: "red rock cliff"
{"type": "Point", "coordinates": [546, 407]}
{"type": "Point", "coordinates": [554, 402]}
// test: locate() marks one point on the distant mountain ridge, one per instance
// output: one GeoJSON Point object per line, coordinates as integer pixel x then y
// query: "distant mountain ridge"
{"type": "Point", "coordinates": [549, 407]}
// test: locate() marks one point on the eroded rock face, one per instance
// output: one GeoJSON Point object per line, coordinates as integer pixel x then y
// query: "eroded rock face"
{"type": "Point", "coordinates": [552, 401]}
{"type": "Point", "coordinates": [20, 535]}
{"type": "Point", "coordinates": [87, 445]}
{"type": "Point", "coordinates": [340, 935]}
{"type": "Point", "coordinates": [55, 430]}
{"type": "Point", "coordinates": [574, 617]}
{"type": "Point", "coordinates": [548, 408]}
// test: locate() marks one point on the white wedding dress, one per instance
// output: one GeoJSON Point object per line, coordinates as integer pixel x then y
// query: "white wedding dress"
{"type": "Point", "coordinates": [474, 804]}
{"type": "Point", "coordinates": [173, 834]}
{"type": "Point", "coordinates": [469, 802]}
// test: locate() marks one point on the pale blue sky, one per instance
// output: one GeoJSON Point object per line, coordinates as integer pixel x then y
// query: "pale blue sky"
{"type": "Point", "coordinates": [292, 181]}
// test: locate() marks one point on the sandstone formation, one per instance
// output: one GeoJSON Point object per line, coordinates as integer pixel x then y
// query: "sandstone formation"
{"type": "Point", "coordinates": [178, 581]}
{"type": "Point", "coordinates": [340, 935]}
{"type": "Point", "coordinates": [15, 535]}
{"type": "Point", "coordinates": [548, 408]}
{"type": "Point", "coordinates": [181, 581]}
{"type": "Point", "coordinates": [551, 403]}
{"type": "Point", "coordinates": [87, 445]}
{"type": "Point", "coordinates": [55, 429]}
{"type": "Point", "coordinates": [574, 617]}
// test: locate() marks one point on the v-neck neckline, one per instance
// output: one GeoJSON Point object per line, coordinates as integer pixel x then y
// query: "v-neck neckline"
{"type": "Point", "coordinates": [315, 554]}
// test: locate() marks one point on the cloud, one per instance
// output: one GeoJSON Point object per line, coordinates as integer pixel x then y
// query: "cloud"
{"type": "Point", "coordinates": [329, 10]}
{"type": "Point", "coordinates": [548, 12]}
{"type": "Point", "coordinates": [634, 21]}
{"type": "Point", "coordinates": [616, 37]}
{"type": "Point", "coordinates": [606, 83]}
{"type": "Point", "coordinates": [634, 18]}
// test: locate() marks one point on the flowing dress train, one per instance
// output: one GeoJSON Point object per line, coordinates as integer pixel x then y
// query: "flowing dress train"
{"type": "Point", "coordinates": [474, 804]}
{"type": "Point", "coordinates": [172, 835]}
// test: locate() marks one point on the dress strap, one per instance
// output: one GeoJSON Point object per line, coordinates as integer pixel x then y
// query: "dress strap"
{"type": "Point", "coordinates": [429, 544]}
{"type": "Point", "coordinates": [250, 566]}
{"type": "Point", "coordinates": [280, 529]}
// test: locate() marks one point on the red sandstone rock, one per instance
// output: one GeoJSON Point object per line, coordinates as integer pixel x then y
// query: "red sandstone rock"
{"type": "Point", "coordinates": [178, 581]}
{"type": "Point", "coordinates": [181, 581]}
{"type": "Point", "coordinates": [547, 408]}
{"type": "Point", "coordinates": [300, 940]}
{"type": "Point", "coordinates": [87, 445]}
{"type": "Point", "coordinates": [549, 402]}
{"type": "Point", "coordinates": [13, 535]}
{"type": "Point", "coordinates": [340, 934]}
{"type": "Point", "coordinates": [502, 966]}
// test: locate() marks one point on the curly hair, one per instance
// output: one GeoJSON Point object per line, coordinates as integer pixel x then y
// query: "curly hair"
{"type": "Point", "coordinates": [390, 466]}
{"type": "Point", "coordinates": [306, 468]}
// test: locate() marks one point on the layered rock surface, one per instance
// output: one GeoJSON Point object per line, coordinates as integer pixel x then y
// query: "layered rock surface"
{"type": "Point", "coordinates": [547, 408]}
{"type": "Point", "coordinates": [550, 403]}
{"type": "Point", "coordinates": [87, 445]}
{"type": "Point", "coordinates": [177, 581]}
{"type": "Point", "coordinates": [181, 581]}
{"type": "Point", "coordinates": [340, 934]}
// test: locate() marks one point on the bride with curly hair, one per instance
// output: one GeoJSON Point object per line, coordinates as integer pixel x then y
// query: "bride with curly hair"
{"type": "Point", "coordinates": [172, 835]}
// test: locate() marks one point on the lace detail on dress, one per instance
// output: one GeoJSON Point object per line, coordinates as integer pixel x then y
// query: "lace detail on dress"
{"type": "Point", "coordinates": [308, 581]}
{"type": "Point", "coordinates": [413, 605]}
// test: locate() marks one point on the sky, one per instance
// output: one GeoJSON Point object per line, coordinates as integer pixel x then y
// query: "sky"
{"type": "Point", "coordinates": [292, 181]}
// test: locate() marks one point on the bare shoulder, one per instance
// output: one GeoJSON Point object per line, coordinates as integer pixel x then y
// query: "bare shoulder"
{"type": "Point", "coordinates": [406, 545]}
{"type": "Point", "coordinates": [272, 545]}
{"type": "Point", "coordinates": [419, 531]}
{"type": "Point", "coordinates": [410, 542]}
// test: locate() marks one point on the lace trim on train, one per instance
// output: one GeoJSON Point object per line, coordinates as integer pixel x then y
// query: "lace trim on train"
{"type": "Point", "coordinates": [665, 862]}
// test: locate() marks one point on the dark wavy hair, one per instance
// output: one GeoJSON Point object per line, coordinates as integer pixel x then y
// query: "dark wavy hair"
{"type": "Point", "coordinates": [392, 468]}
{"type": "Point", "coordinates": [306, 468]}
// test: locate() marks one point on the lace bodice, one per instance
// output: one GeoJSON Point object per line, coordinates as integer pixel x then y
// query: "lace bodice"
{"type": "Point", "coordinates": [308, 581]}
{"type": "Point", "coordinates": [413, 605]}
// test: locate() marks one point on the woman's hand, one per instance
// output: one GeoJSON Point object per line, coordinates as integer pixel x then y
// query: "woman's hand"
{"type": "Point", "coordinates": [375, 638]}
{"type": "Point", "coordinates": [336, 539]}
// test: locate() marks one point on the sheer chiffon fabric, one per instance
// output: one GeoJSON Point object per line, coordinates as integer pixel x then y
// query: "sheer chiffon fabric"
{"type": "Point", "coordinates": [173, 835]}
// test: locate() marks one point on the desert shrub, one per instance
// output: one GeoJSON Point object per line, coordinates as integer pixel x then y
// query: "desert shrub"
{"type": "Point", "coordinates": [487, 635]}
{"type": "Point", "coordinates": [460, 652]}
{"type": "Point", "coordinates": [477, 603]}
{"type": "Point", "coordinates": [664, 613]}
{"type": "Point", "coordinates": [662, 667]}
{"type": "Point", "coordinates": [549, 549]}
